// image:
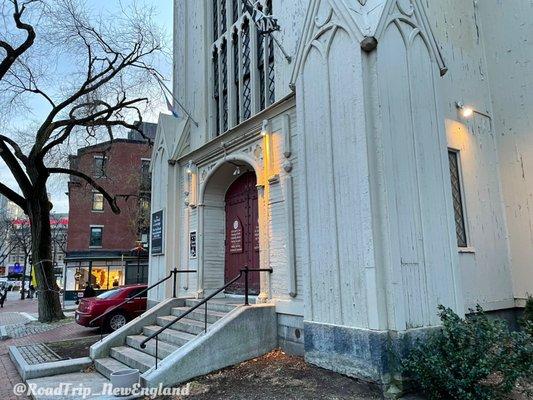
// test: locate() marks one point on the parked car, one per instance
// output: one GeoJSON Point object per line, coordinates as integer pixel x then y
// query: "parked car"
{"type": "Point", "coordinates": [93, 307]}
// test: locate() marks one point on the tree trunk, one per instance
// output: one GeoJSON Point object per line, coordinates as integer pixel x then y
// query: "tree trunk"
{"type": "Point", "coordinates": [41, 235]}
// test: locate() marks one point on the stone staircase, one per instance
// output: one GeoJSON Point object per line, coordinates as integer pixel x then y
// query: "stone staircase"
{"type": "Point", "coordinates": [131, 355]}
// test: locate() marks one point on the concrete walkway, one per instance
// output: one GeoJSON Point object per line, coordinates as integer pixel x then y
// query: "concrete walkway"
{"type": "Point", "coordinates": [17, 313]}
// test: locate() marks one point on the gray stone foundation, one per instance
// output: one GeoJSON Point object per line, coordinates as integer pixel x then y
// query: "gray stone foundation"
{"type": "Point", "coordinates": [291, 334]}
{"type": "Point", "coordinates": [373, 356]}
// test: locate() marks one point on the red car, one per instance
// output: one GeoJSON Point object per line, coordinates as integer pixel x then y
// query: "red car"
{"type": "Point", "coordinates": [93, 307]}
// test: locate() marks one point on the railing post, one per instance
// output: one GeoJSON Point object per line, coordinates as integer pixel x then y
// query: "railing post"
{"type": "Point", "coordinates": [246, 303]}
{"type": "Point", "coordinates": [156, 351]}
{"type": "Point", "coordinates": [205, 317]}
{"type": "Point", "coordinates": [175, 272]}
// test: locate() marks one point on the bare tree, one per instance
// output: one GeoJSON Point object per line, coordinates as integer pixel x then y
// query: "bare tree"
{"type": "Point", "coordinates": [110, 62]}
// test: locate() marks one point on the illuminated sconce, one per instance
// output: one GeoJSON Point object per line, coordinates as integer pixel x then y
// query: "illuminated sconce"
{"type": "Point", "coordinates": [237, 171]}
{"type": "Point", "coordinates": [190, 167]}
{"type": "Point", "coordinates": [264, 128]}
{"type": "Point", "coordinates": [466, 111]}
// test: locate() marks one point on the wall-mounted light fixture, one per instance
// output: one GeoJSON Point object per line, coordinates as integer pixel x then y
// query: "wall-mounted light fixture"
{"type": "Point", "coordinates": [190, 167]}
{"type": "Point", "coordinates": [468, 112]}
{"type": "Point", "coordinates": [264, 128]}
{"type": "Point", "coordinates": [465, 111]}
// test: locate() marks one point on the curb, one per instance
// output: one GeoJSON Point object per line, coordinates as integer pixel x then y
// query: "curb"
{"type": "Point", "coordinates": [29, 371]}
{"type": "Point", "coordinates": [3, 333]}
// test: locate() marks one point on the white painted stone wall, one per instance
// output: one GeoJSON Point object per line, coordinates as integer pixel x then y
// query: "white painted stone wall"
{"type": "Point", "coordinates": [494, 160]}
{"type": "Point", "coordinates": [507, 32]}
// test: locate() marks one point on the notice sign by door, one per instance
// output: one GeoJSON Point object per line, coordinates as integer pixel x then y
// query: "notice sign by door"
{"type": "Point", "coordinates": [236, 237]}
{"type": "Point", "coordinates": [192, 244]}
{"type": "Point", "coordinates": [157, 232]}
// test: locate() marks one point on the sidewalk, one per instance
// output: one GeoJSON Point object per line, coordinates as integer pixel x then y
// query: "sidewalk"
{"type": "Point", "coordinates": [16, 317]}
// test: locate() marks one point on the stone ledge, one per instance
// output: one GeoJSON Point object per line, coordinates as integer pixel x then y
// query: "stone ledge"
{"type": "Point", "coordinates": [32, 371]}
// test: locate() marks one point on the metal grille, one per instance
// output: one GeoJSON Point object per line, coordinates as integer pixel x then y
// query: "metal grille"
{"type": "Point", "coordinates": [215, 20]}
{"type": "Point", "coordinates": [216, 96]}
{"type": "Point", "coordinates": [235, 10]}
{"type": "Point", "coordinates": [271, 71]}
{"type": "Point", "coordinates": [223, 25]}
{"type": "Point", "coordinates": [271, 80]}
{"type": "Point", "coordinates": [224, 69]}
{"type": "Point", "coordinates": [236, 74]}
{"type": "Point", "coordinates": [261, 68]}
{"type": "Point", "coordinates": [246, 82]}
{"type": "Point", "coordinates": [460, 227]}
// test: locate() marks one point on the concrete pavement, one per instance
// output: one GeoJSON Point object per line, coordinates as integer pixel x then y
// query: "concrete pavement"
{"type": "Point", "coordinates": [15, 315]}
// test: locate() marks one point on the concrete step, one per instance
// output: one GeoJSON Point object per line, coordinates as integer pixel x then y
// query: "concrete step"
{"type": "Point", "coordinates": [170, 335]}
{"type": "Point", "coordinates": [186, 325]}
{"type": "Point", "coordinates": [133, 358]}
{"type": "Point", "coordinates": [221, 305]}
{"type": "Point", "coordinates": [106, 366]}
{"type": "Point", "coordinates": [199, 314]}
{"type": "Point", "coordinates": [164, 349]}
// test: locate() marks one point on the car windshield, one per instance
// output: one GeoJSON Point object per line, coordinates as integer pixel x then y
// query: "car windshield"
{"type": "Point", "coordinates": [110, 294]}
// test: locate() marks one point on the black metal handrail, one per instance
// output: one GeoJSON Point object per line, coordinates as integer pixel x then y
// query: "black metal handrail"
{"type": "Point", "coordinates": [244, 271]}
{"type": "Point", "coordinates": [174, 273]}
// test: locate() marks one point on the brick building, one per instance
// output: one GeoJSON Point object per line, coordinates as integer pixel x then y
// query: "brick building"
{"type": "Point", "coordinates": [101, 244]}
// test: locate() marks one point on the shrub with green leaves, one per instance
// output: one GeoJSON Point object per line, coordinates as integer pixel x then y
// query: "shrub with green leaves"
{"type": "Point", "coordinates": [476, 358]}
{"type": "Point", "coordinates": [527, 320]}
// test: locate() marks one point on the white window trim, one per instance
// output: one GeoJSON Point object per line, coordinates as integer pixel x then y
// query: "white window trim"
{"type": "Point", "coordinates": [90, 229]}
{"type": "Point", "coordinates": [92, 203]}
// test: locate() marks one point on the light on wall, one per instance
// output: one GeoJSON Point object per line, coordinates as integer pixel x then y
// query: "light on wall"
{"type": "Point", "coordinates": [190, 167]}
{"type": "Point", "coordinates": [264, 128]}
{"type": "Point", "coordinates": [465, 111]}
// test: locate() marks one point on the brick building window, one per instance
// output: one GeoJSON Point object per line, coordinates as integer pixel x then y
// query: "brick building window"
{"type": "Point", "coordinates": [146, 176]}
{"type": "Point", "coordinates": [99, 166]}
{"type": "Point", "coordinates": [98, 201]}
{"type": "Point", "coordinates": [457, 197]}
{"type": "Point", "coordinates": [95, 239]}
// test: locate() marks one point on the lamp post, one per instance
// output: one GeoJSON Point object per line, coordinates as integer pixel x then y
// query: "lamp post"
{"type": "Point", "coordinates": [138, 249]}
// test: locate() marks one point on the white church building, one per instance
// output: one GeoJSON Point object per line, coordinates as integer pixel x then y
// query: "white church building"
{"type": "Point", "coordinates": [376, 155]}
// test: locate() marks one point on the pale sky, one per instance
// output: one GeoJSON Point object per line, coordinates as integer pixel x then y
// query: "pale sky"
{"type": "Point", "coordinates": [164, 19]}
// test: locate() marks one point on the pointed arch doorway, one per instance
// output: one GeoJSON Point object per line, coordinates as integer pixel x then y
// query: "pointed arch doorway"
{"type": "Point", "coordinates": [242, 233]}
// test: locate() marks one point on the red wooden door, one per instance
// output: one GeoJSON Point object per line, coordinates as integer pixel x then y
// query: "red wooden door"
{"type": "Point", "coordinates": [242, 233]}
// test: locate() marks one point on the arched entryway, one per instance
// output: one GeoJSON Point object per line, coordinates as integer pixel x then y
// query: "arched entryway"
{"type": "Point", "coordinates": [242, 233]}
{"type": "Point", "coordinates": [230, 194]}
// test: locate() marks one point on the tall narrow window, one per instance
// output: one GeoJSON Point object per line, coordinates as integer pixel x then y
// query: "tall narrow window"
{"type": "Point", "coordinates": [216, 96]}
{"type": "Point", "coordinates": [235, 43]}
{"type": "Point", "coordinates": [271, 72]}
{"type": "Point", "coordinates": [235, 10]}
{"type": "Point", "coordinates": [261, 68]}
{"type": "Point", "coordinates": [215, 19]}
{"type": "Point", "coordinates": [246, 81]}
{"type": "Point", "coordinates": [224, 77]}
{"type": "Point", "coordinates": [460, 226]}
{"type": "Point", "coordinates": [223, 23]}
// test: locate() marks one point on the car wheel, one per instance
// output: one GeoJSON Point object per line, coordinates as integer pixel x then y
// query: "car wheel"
{"type": "Point", "coordinates": [116, 321]}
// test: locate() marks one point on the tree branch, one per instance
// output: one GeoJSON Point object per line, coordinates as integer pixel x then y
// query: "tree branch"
{"type": "Point", "coordinates": [110, 199]}
{"type": "Point", "coordinates": [14, 53]}
{"type": "Point", "coordinates": [13, 196]}
{"type": "Point", "coordinates": [18, 173]}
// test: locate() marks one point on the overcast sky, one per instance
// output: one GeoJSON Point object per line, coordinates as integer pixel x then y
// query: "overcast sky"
{"type": "Point", "coordinates": [164, 19]}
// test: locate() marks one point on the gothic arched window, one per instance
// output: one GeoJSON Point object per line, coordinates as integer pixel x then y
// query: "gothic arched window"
{"type": "Point", "coordinates": [243, 64]}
